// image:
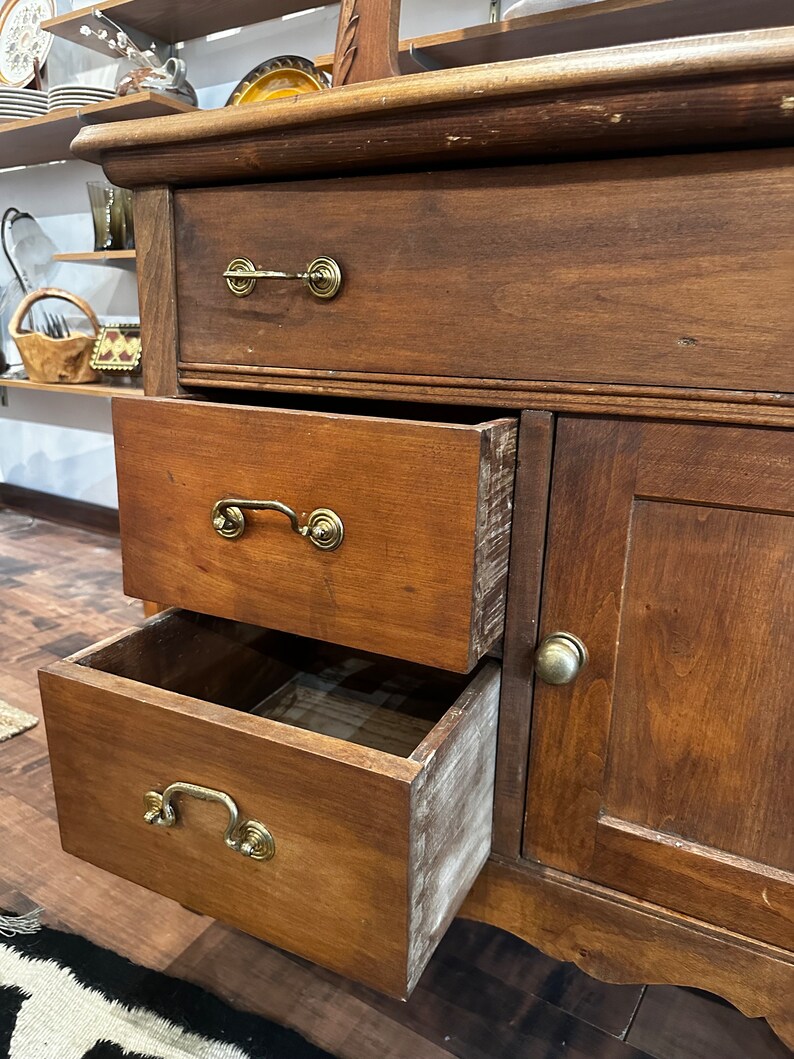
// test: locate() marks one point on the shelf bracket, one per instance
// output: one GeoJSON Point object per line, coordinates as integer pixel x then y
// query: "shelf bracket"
{"type": "Point", "coordinates": [494, 10]}
{"type": "Point", "coordinates": [423, 60]}
{"type": "Point", "coordinates": [3, 397]}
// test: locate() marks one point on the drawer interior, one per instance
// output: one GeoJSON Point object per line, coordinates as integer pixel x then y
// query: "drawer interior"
{"type": "Point", "coordinates": [373, 778]}
{"type": "Point", "coordinates": [361, 698]}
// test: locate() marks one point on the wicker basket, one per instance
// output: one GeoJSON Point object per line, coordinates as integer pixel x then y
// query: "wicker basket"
{"type": "Point", "coordinates": [60, 360]}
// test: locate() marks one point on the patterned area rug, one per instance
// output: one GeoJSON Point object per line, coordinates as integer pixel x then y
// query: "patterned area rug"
{"type": "Point", "coordinates": [14, 722]}
{"type": "Point", "coordinates": [62, 997]}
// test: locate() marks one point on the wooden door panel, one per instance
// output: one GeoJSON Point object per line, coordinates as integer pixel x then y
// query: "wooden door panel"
{"type": "Point", "coordinates": [666, 769]}
{"type": "Point", "coordinates": [705, 882]}
{"type": "Point", "coordinates": [701, 647]}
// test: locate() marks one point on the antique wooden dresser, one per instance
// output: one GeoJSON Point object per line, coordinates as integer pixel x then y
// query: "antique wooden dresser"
{"type": "Point", "coordinates": [467, 474]}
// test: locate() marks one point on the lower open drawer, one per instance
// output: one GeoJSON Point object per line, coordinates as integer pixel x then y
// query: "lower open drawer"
{"type": "Point", "coordinates": [334, 803]}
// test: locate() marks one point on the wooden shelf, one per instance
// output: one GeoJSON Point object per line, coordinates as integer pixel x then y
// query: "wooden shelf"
{"type": "Point", "coordinates": [99, 257]}
{"type": "Point", "coordinates": [88, 389]}
{"type": "Point", "coordinates": [32, 141]}
{"type": "Point", "coordinates": [601, 24]}
{"type": "Point", "coordinates": [172, 20]}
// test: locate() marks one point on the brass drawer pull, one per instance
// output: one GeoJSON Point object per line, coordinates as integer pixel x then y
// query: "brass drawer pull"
{"type": "Point", "coordinates": [324, 528]}
{"type": "Point", "coordinates": [323, 277]}
{"type": "Point", "coordinates": [248, 837]}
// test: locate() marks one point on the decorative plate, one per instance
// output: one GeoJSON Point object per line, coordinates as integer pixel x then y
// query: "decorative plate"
{"type": "Point", "coordinates": [22, 40]}
{"type": "Point", "coordinates": [118, 348]}
{"type": "Point", "coordinates": [286, 75]}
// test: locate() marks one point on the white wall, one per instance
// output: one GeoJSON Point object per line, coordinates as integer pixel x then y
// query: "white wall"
{"type": "Point", "coordinates": [62, 443]}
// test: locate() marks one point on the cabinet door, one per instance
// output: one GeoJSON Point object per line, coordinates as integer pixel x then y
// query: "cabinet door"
{"type": "Point", "coordinates": [666, 768]}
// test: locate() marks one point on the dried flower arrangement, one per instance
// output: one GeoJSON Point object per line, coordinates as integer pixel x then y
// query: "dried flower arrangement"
{"type": "Point", "coordinates": [120, 43]}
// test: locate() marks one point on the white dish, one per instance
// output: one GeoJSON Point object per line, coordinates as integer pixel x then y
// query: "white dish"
{"type": "Point", "coordinates": [11, 108]}
{"type": "Point", "coordinates": [79, 92]}
{"type": "Point", "coordinates": [21, 93]}
{"type": "Point", "coordinates": [75, 100]}
{"type": "Point", "coordinates": [22, 40]}
{"type": "Point", "coordinates": [79, 88]}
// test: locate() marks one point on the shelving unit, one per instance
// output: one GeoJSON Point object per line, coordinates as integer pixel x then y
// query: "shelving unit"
{"type": "Point", "coordinates": [122, 258]}
{"type": "Point", "coordinates": [32, 141]}
{"type": "Point", "coordinates": [601, 24]}
{"type": "Point", "coordinates": [171, 21]}
{"type": "Point", "coordinates": [88, 389]}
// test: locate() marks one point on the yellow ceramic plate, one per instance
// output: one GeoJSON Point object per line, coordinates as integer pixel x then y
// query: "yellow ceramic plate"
{"type": "Point", "coordinates": [287, 75]}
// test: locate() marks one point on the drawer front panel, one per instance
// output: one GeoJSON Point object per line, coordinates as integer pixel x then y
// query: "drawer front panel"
{"type": "Point", "coordinates": [664, 271]}
{"type": "Point", "coordinates": [420, 573]}
{"type": "Point", "coordinates": [373, 852]}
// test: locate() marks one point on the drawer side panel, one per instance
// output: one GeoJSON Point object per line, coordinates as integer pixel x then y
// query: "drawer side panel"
{"type": "Point", "coordinates": [452, 815]}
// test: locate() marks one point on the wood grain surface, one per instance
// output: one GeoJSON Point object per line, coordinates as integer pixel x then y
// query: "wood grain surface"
{"type": "Point", "coordinates": [366, 41]}
{"type": "Point", "coordinates": [527, 544]}
{"type": "Point", "coordinates": [410, 495]}
{"type": "Point", "coordinates": [719, 90]}
{"type": "Point", "coordinates": [597, 24]}
{"type": "Point", "coordinates": [155, 242]}
{"type": "Point", "coordinates": [363, 838]}
{"type": "Point", "coordinates": [652, 271]}
{"type": "Point", "coordinates": [665, 768]}
{"type": "Point", "coordinates": [484, 991]}
{"type": "Point", "coordinates": [650, 402]}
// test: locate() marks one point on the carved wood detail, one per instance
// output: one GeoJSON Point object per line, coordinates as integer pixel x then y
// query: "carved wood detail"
{"type": "Point", "coordinates": [366, 41]}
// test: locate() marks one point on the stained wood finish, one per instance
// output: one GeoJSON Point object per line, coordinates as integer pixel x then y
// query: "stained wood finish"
{"type": "Point", "coordinates": [528, 539]}
{"type": "Point", "coordinates": [155, 244]}
{"type": "Point", "coordinates": [89, 389]}
{"type": "Point", "coordinates": [665, 769]}
{"type": "Point", "coordinates": [598, 24]}
{"type": "Point", "coordinates": [483, 990]}
{"type": "Point", "coordinates": [366, 41]}
{"type": "Point", "coordinates": [47, 138]}
{"type": "Point", "coordinates": [621, 939]}
{"type": "Point", "coordinates": [716, 406]}
{"type": "Point", "coordinates": [718, 90]}
{"type": "Point", "coordinates": [421, 572]}
{"type": "Point", "coordinates": [367, 902]}
{"type": "Point", "coordinates": [567, 269]}
{"type": "Point", "coordinates": [175, 20]}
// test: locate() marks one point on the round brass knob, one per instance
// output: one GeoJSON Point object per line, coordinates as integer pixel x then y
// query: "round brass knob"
{"type": "Point", "coordinates": [560, 658]}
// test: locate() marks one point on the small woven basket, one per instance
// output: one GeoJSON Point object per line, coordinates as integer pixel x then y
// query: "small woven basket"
{"type": "Point", "coordinates": [55, 360]}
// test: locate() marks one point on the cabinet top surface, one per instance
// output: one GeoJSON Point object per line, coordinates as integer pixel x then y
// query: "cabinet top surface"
{"type": "Point", "coordinates": [706, 91]}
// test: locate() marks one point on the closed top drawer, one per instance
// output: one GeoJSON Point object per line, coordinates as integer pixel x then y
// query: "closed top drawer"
{"type": "Point", "coordinates": [666, 272]}
{"type": "Point", "coordinates": [419, 513]}
{"type": "Point", "coordinates": [334, 803]}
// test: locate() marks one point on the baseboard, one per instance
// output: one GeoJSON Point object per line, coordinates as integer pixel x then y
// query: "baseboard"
{"type": "Point", "coordinates": [78, 513]}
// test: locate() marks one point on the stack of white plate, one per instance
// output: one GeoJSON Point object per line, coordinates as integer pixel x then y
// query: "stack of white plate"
{"type": "Point", "coordinates": [62, 96]}
{"type": "Point", "coordinates": [18, 103]}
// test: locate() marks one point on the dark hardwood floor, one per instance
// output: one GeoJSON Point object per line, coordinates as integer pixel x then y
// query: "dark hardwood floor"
{"type": "Point", "coordinates": [485, 994]}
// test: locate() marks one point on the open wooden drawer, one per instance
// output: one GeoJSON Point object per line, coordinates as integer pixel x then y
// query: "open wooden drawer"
{"type": "Point", "coordinates": [385, 534]}
{"type": "Point", "coordinates": [334, 803]}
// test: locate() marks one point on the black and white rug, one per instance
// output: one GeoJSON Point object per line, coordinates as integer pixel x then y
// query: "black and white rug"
{"type": "Point", "coordinates": [62, 997]}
